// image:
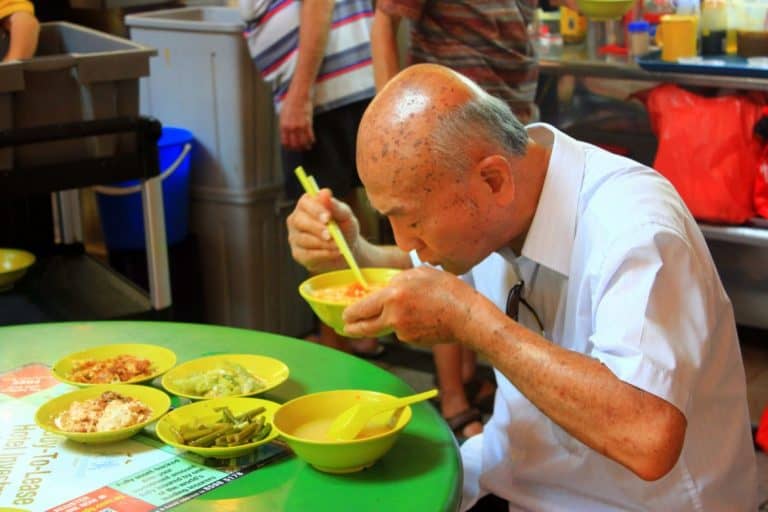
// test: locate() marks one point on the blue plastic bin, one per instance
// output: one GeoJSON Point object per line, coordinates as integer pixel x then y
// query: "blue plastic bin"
{"type": "Point", "coordinates": [120, 209]}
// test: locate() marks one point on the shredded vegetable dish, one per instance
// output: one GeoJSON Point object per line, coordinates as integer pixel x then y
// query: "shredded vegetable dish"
{"type": "Point", "coordinates": [226, 380]}
{"type": "Point", "coordinates": [108, 371]}
{"type": "Point", "coordinates": [346, 293]}
{"type": "Point", "coordinates": [110, 411]}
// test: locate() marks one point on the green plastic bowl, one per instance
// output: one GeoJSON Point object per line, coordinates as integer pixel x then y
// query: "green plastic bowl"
{"type": "Point", "coordinates": [329, 311]}
{"type": "Point", "coordinates": [303, 421]}
{"type": "Point", "coordinates": [13, 265]}
{"type": "Point", "coordinates": [602, 10]}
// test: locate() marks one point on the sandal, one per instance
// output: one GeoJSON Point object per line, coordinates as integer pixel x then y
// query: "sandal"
{"type": "Point", "coordinates": [481, 393]}
{"type": "Point", "coordinates": [459, 421]}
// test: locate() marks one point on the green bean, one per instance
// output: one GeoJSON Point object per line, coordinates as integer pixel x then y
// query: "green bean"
{"type": "Point", "coordinates": [197, 434]}
{"type": "Point", "coordinates": [250, 414]}
{"type": "Point", "coordinates": [209, 439]}
{"type": "Point", "coordinates": [259, 422]}
{"type": "Point", "coordinates": [262, 433]}
{"type": "Point", "coordinates": [228, 416]}
{"type": "Point", "coordinates": [246, 433]}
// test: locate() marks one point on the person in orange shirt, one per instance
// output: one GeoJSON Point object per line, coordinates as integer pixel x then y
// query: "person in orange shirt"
{"type": "Point", "coordinates": [17, 18]}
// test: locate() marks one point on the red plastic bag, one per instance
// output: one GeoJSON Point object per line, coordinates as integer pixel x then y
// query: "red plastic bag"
{"type": "Point", "coordinates": [761, 184]}
{"type": "Point", "coordinates": [707, 150]}
{"type": "Point", "coordinates": [761, 178]}
{"type": "Point", "coordinates": [761, 436]}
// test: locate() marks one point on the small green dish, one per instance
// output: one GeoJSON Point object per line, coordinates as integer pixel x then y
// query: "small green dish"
{"type": "Point", "coordinates": [13, 265]}
{"type": "Point", "coordinates": [153, 398]}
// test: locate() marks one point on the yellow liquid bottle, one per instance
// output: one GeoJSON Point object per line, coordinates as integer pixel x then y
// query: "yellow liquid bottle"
{"type": "Point", "coordinates": [573, 26]}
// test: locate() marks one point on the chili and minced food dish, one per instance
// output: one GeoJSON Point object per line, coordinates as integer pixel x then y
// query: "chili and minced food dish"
{"type": "Point", "coordinates": [116, 369]}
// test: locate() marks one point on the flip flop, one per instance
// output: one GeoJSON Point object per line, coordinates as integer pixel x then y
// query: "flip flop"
{"type": "Point", "coordinates": [457, 422]}
{"type": "Point", "coordinates": [483, 402]}
{"type": "Point", "coordinates": [475, 395]}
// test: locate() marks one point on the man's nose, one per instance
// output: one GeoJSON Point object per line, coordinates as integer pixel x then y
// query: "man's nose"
{"type": "Point", "coordinates": [405, 241]}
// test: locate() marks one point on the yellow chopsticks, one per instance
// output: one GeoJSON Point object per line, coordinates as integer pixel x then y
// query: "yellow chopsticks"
{"type": "Point", "coordinates": [310, 187]}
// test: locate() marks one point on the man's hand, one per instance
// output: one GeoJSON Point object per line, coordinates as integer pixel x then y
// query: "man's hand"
{"type": "Point", "coordinates": [424, 306]}
{"type": "Point", "coordinates": [311, 243]}
{"type": "Point", "coordinates": [296, 133]}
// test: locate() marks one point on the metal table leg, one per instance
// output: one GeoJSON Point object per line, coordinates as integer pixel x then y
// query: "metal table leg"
{"type": "Point", "coordinates": [157, 248]}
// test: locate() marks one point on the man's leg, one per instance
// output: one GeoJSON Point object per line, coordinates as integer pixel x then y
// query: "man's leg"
{"type": "Point", "coordinates": [454, 403]}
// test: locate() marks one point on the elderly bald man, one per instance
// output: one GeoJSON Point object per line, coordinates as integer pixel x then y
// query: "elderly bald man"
{"type": "Point", "coordinates": [621, 384]}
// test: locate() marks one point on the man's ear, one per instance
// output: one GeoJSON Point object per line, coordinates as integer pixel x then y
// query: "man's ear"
{"type": "Point", "coordinates": [497, 174]}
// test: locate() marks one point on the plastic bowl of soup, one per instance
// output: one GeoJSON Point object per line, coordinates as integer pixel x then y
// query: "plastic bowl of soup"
{"type": "Point", "coordinates": [303, 424]}
{"type": "Point", "coordinates": [330, 293]}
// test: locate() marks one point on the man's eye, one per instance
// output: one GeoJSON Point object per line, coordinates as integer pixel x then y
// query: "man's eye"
{"type": "Point", "coordinates": [413, 225]}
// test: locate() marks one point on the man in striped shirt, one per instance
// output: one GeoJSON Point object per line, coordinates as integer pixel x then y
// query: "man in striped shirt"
{"type": "Point", "coordinates": [316, 56]}
{"type": "Point", "coordinates": [487, 41]}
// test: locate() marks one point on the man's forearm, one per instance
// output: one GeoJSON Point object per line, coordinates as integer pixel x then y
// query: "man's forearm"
{"type": "Point", "coordinates": [633, 427]}
{"type": "Point", "coordinates": [316, 16]}
{"type": "Point", "coordinates": [386, 58]}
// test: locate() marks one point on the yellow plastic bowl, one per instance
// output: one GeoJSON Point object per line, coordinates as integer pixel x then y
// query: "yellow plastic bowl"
{"type": "Point", "coordinates": [272, 371]}
{"type": "Point", "coordinates": [205, 413]}
{"type": "Point", "coordinates": [154, 398]}
{"type": "Point", "coordinates": [13, 265]}
{"type": "Point", "coordinates": [328, 311]}
{"type": "Point", "coordinates": [302, 423]}
{"type": "Point", "coordinates": [162, 360]}
{"type": "Point", "coordinates": [603, 10]}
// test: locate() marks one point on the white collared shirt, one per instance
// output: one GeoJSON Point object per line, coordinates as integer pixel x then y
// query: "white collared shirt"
{"type": "Point", "coordinates": [617, 269]}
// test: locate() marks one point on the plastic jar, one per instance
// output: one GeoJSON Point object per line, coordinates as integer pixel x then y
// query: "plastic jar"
{"type": "Point", "coordinates": [639, 37]}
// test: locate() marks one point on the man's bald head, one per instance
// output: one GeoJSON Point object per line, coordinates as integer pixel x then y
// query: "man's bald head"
{"type": "Point", "coordinates": [449, 165]}
{"type": "Point", "coordinates": [421, 92]}
{"type": "Point", "coordinates": [436, 116]}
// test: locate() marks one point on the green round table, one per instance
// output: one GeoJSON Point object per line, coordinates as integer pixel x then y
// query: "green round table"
{"type": "Point", "coordinates": [422, 472]}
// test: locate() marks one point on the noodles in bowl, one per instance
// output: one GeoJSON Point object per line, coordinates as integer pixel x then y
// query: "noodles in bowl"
{"type": "Point", "coordinates": [346, 293]}
{"type": "Point", "coordinates": [328, 294]}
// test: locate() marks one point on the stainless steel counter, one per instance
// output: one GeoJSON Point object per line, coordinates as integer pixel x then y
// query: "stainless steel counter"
{"type": "Point", "coordinates": [573, 60]}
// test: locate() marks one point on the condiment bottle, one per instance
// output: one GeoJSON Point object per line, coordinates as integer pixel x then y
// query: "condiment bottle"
{"type": "Point", "coordinates": [713, 27]}
{"type": "Point", "coordinates": [639, 38]}
{"type": "Point", "coordinates": [573, 26]}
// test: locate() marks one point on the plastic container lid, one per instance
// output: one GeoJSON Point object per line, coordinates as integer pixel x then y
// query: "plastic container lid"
{"type": "Point", "coordinates": [638, 26]}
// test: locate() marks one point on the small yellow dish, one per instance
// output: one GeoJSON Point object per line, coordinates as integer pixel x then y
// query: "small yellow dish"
{"type": "Point", "coordinates": [330, 311]}
{"type": "Point", "coordinates": [304, 422]}
{"type": "Point", "coordinates": [272, 372]}
{"type": "Point", "coordinates": [154, 398]}
{"type": "Point", "coordinates": [602, 10]}
{"type": "Point", "coordinates": [205, 412]}
{"type": "Point", "coordinates": [161, 358]}
{"type": "Point", "coordinates": [13, 265]}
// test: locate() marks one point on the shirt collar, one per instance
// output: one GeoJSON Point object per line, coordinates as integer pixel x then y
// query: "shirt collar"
{"type": "Point", "coordinates": [549, 241]}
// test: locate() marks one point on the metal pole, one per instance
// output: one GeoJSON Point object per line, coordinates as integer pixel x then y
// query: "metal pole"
{"type": "Point", "coordinates": [156, 243]}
